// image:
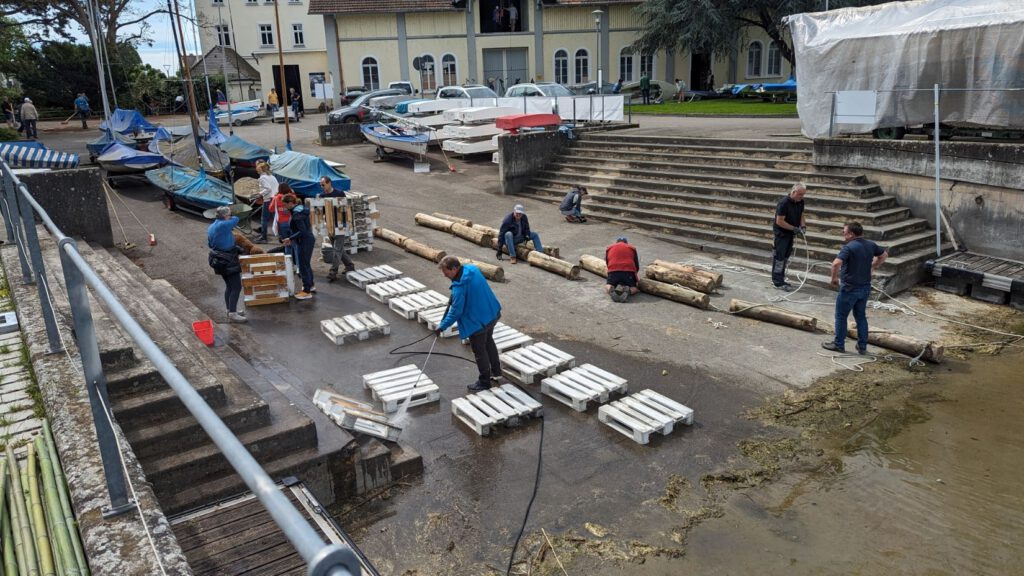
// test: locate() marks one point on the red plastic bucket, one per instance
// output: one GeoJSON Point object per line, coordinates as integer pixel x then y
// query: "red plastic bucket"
{"type": "Point", "coordinates": [204, 330]}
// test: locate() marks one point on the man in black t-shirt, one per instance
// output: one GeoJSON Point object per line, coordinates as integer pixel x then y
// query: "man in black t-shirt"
{"type": "Point", "coordinates": [851, 274]}
{"type": "Point", "coordinates": [789, 219]}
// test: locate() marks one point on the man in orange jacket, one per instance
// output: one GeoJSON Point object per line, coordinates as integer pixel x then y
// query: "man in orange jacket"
{"type": "Point", "coordinates": [623, 264]}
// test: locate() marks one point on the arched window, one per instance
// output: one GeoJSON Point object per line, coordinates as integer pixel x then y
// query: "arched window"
{"type": "Point", "coordinates": [428, 79]}
{"type": "Point", "coordinates": [561, 67]}
{"type": "Point", "coordinates": [449, 74]}
{"type": "Point", "coordinates": [774, 60]}
{"type": "Point", "coordinates": [754, 60]}
{"type": "Point", "coordinates": [582, 66]}
{"type": "Point", "coordinates": [626, 65]}
{"type": "Point", "coordinates": [371, 74]}
{"type": "Point", "coordinates": [647, 65]}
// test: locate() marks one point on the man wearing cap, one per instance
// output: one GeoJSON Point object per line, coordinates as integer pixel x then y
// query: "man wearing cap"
{"type": "Point", "coordinates": [572, 205]}
{"type": "Point", "coordinates": [515, 229]}
{"type": "Point", "coordinates": [623, 264]}
{"type": "Point", "coordinates": [29, 117]}
{"type": "Point", "coordinates": [476, 310]}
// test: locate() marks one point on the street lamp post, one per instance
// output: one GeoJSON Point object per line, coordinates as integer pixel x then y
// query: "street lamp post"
{"type": "Point", "coordinates": [597, 25]}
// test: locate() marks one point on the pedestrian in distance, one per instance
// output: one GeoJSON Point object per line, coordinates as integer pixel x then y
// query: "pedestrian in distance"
{"type": "Point", "coordinates": [515, 229]}
{"type": "Point", "coordinates": [268, 189]}
{"type": "Point", "coordinates": [295, 100]}
{"type": "Point", "coordinates": [332, 249]}
{"type": "Point", "coordinates": [273, 101]}
{"type": "Point", "coordinates": [82, 109]}
{"type": "Point", "coordinates": [572, 205]}
{"type": "Point", "coordinates": [9, 112]}
{"type": "Point", "coordinates": [220, 96]}
{"type": "Point", "coordinates": [29, 117]}
{"type": "Point", "coordinates": [851, 275]}
{"type": "Point", "coordinates": [623, 263]}
{"type": "Point", "coordinates": [224, 259]}
{"type": "Point", "coordinates": [302, 241]}
{"type": "Point", "coordinates": [476, 310]}
{"type": "Point", "coordinates": [645, 87]}
{"type": "Point", "coordinates": [513, 17]}
{"type": "Point", "coordinates": [617, 88]}
{"type": "Point", "coordinates": [148, 104]}
{"type": "Point", "coordinates": [789, 221]}
{"type": "Point", "coordinates": [680, 90]}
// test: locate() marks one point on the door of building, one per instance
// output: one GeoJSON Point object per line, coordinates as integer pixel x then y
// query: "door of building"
{"type": "Point", "coordinates": [504, 67]}
{"type": "Point", "coordinates": [291, 79]}
{"type": "Point", "coordinates": [700, 72]}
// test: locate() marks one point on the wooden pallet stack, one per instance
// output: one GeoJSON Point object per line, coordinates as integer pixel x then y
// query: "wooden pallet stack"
{"type": "Point", "coordinates": [360, 325]}
{"type": "Point", "coordinates": [355, 416]}
{"type": "Point", "coordinates": [639, 415]}
{"type": "Point", "coordinates": [394, 387]}
{"type": "Point", "coordinates": [505, 405]}
{"type": "Point", "coordinates": [353, 218]}
{"type": "Point", "coordinates": [266, 278]}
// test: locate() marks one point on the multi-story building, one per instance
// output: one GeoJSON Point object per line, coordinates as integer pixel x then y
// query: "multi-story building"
{"type": "Point", "coordinates": [434, 43]}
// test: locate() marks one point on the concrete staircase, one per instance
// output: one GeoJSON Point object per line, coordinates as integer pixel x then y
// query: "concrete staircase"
{"type": "Point", "coordinates": [720, 195]}
{"type": "Point", "coordinates": [184, 466]}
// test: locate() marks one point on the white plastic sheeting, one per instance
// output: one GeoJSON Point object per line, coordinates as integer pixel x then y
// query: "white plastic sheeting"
{"type": "Point", "coordinates": [606, 108]}
{"type": "Point", "coordinates": [901, 50]}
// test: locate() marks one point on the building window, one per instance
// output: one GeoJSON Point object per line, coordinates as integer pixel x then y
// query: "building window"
{"type": "Point", "coordinates": [428, 81]}
{"type": "Point", "coordinates": [582, 66]}
{"type": "Point", "coordinates": [223, 35]}
{"type": "Point", "coordinates": [626, 65]}
{"type": "Point", "coordinates": [774, 60]}
{"type": "Point", "coordinates": [503, 16]}
{"type": "Point", "coordinates": [266, 34]}
{"type": "Point", "coordinates": [371, 75]}
{"type": "Point", "coordinates": [562, 67]}
{"type": "Point", "coordinates": [647, 65]}
{"type": "Point", "coordinates": [754, 60]}
{"type": "Point", "coordinates": [449, 73]}
{"type": "Point", "coordinates": [216, 2]}
{"type": "Point", "coordinates": [298, 36]}
{"type": "Point", "coordinates": [252, 2]}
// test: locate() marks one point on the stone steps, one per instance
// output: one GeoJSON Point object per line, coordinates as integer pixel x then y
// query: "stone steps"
{"type": "Point", "coordinates": [775, 147]}
{"type": "Point", "coordinates": [606, 150]}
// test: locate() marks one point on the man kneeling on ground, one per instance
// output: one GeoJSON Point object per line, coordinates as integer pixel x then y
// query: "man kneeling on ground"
{"type": "Point", "coordinates": [515, 229]}
{"type": "Point", "coordinates": [623, 264]}
{"type": "Point", "coordinates": [572, 205]}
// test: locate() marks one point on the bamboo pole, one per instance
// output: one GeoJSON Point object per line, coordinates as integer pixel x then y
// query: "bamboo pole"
{"type": "Point", "coordinates": [675, 293]}
{"type": "Point", "coordinates": [716, 276]}
{"type": "Point", "coordinates": [774, 315]}
{"type": "Point", "coordinates": [66, 555]}
{"type": "Point", "coordinates": [25, 547]}
{"type": "Point", "coordinates": [490, 271]}
{"type": "Point", "coordinates": [70, 522]}
{"type": "Point", "coordinates": [474, 235]}
{"type": "Point", "coordinates": [420, 249]}
{"type": "Point", "coordinates": [431, 222]}
{"type": "Point", "coordinates": [7, 542]}
{"type": "Point", "coordinates": [391, 236]}
{"type": "Point", "coordinates": [43, 546]}
{"type": "Point", "coordinates": [933, 351]}
{"type": "Point", "coordinates": [451, 218]}
{"type": "Point", "coordinates": [690, 280]}
{"type": "Point", "coordinates": [3, 485]}
{"type": "Point", "coordinates": [551, 264]}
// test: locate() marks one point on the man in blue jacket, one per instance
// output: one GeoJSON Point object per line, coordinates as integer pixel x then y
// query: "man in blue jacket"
{"type": "Point", "coordinates": [515, 229]}
{"type": "Point", "coordinates": [476, 310]}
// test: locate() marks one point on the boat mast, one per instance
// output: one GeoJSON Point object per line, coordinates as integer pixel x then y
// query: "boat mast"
{"type": "Point", "coordinates": [190, 93]}
{"type": "Point", "coordinates": [284, 87]}
{"type": "Point", "coordinates": [224, 67]}
{"type": "Point", "coordinates": [99, 62]}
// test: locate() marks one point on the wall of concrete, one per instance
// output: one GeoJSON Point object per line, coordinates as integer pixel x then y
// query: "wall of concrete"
{"type": "Point", "coordinates": [522, 155]}
{"type": "Point", "coordinates": [75, 201]}
{"type": "Point", "coordinates": [340, 134]}
{"type": "Point", "coordinates": [980, 188]}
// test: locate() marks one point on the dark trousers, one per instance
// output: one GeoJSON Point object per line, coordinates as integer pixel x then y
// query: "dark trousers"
{"type": "Point", "coordinates": [486, 353]}
{"type": "Point", "coordinates": [646, 94]}
{"type": "Point", "coordinates": [335, 255]}
{"type": "Point", "coordinates": [30, 129]}
{"type": "Point", "coordinates": [304, 254]}
{"type": "Point", "coordinates": [233, 289]}
{"type": "Point", "coordinates": [783, 250]}
{"type": "Point", "coordinates": [84, 116]}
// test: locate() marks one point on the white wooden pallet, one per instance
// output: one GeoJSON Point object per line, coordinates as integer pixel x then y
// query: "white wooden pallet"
{"type": "Point", "coordinates": [485, 410]}
{"type": "Point", "coordinates": [393, 387]}
{"type": "Point", "coordinates": [384, 291]}
{"type": "Point", "coordinates": [360, 325]}
{"type": "Point", "coordinates": [526, 363]}
{"type": "Point", "coordinates": [507, 337]}
{"type": "Point", "coordinates": [433, 316]}
{"type": "Point", "coordinates": [581, 385]}
{"type": "Point", "coordinates": [366, 276]}
{"type": "Point", "coordinates": [641, 414]}
{"type": "Point", "coordinates": [356, 416]}
{"type": "Point", "coordinates": [409, 306]}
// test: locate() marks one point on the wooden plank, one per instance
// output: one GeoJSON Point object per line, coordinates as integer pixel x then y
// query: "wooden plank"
{"type": "Point", "coordinates": [624, 424]}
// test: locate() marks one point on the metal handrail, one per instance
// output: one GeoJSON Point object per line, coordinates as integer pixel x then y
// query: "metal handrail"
{"type": "Point", "coordinates": [322, 559]}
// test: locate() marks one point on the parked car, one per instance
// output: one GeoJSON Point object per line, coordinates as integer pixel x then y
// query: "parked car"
{"type": "Point", "coordinates": [549, 89]}
{"type": "Point", "coordinates": [591, 88]}
{"type": "Point", "coordinates": [355, 112]}
{"type": "Point", "coordinates": [467, 91]}
{"type": "Point", "coordinates": [351, 93]}
{"type": "Point", "coordinates": [403, 85]}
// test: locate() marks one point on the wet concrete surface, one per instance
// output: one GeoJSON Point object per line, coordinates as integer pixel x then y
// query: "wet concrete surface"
{"type": "Point", "coordinates": [462, 516]}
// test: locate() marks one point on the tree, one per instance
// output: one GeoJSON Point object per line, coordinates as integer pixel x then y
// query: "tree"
{"type": "Point", "coordinates": [707, 26]}
{"type": "Point", "coordinates": [53, 73]}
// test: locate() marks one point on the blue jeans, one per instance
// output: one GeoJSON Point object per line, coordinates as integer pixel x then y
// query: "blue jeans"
{"type": "Point", "coordinates": [303, 250]}
{"type": "Point", "coordinates": [856, 300]}
{"type": "Point", "coordinates": [284, 230]}
{"type": "Point", "coordinates": [266, 219]}
{"type": "Point", "coordinates": [510, 243]}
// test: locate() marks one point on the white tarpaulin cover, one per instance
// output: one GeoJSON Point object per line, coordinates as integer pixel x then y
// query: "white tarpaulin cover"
{"type": "Point", "coordinates": [900, 46]}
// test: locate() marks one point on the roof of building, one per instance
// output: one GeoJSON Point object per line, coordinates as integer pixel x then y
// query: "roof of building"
{"type": "Point", "coordinates": [394, 6]}
{"type": "Point", "coordinates": [238, 67]}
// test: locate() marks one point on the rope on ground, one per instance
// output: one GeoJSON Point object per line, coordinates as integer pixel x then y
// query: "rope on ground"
{"type": "Point", "coordinates": [110, 202]}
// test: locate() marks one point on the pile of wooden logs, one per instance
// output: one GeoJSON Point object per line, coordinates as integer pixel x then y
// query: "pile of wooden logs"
{"type": "Point", "coordinates": [688, 276]}
{"type": "Point", "coordinates": [490, 271]}
{"type": "Point", "coordinates": [662, 289]}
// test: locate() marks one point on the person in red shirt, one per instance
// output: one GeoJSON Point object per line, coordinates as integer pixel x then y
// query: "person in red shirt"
{"type": "Point", "coordinates": [623, 264]}
{"type": "Point", "coordinates": [282, 218]}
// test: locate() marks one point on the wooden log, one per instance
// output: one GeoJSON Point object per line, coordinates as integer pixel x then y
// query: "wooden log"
{"type": "Point", "coordinates": [552, 264]}
{"type": "Point", "coordinates": [490, 271]}
{"type": "Point", "coordinates": [698, 282]}
{"type": "Point", "coordinates": [594, 265]}
{"type": "Point", "coordinates": [716, 276]}
{"type": "Point", "coordinates": [933, 351]}
{"type": "Point", "coordinates": [475, 236]}
{"type": "Point", "coordinates": [391, 236]}
{"type": "Point", "coordinates": [492, 231]}
{"type": "Point", "coordinates": [451, 218]}
{"type": "Point", "coordinates": [774, 315]}
{"type": "Point", "coordinates": [674, 293]}
{"type": "Point", "coordinates": [552, 251]}
{"type": "Point", "coordinates": [243, 242]}
{"type": "Point", "coordinates": [431, 222]}
{"type": "Point", "coordinates": [420, 249]}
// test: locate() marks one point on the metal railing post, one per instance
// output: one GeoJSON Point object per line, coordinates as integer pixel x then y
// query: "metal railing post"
{"type": "Point", "coordinates": [938, 178]}
{"type": "Point", "coordinates": [14, 213]}
{"type": "Point", "coordinates": [32, 239]}
{"type": "Point", "coordinates": [95, 383]}
{"type": "Point", "coordinates": [6, 211]}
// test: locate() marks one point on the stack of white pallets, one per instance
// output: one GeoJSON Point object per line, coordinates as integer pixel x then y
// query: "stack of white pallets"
{"type": "Point", "coordinates": [362, 219]}
{"type": "Point", "coordinates": [641, 414]}
{"type": "Point", "coordinates": [410, 306]}
{"type": "Point", "coordinates": [505, 405]}
{"type": "Point", "coordinates": [384, 291]}
{"type": "Point", "coordinates": [355, 416]}
{"type": "Point", "coordinates": [581, 385]}
{"type": "Point", "coordinates": [507, 337]}
{"type": "Point", "coordinates": [475, 130]}
{"type": "Point", "coordinates": [360, 325]}
{"type": "Point", "coordinates": [393, 387]}
{"type": "Point", "coordinates": [366, 276]}
{"type": "Point", "coordinates": [540, 359]}
{"type": "Point", "coordinates": [432, 318]}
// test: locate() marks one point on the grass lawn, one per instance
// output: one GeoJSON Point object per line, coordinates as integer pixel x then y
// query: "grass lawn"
{"type": "Point", "coordinates": [721, 107]}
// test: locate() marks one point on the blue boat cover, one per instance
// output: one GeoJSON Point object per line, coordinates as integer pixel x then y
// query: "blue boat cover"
{"type": "Point", "coordinates": [128, 122]}
{"type": "Point", "coordinates": [214, 135]}
{"type": "Point", "coordinates": [121, 155]}
{"type": "Point", "coordinates": [97, 146]}
{"type": "Point", "coordinates": [238, 149]}
{"type": "Point", "coordinates": [27, 156]}
{"type": "Point", "coordinates": [195, 188]}
{"type": "Point", "coordinates": [303, 171]}
{"type": "Point", "coordinates": [403, 106]}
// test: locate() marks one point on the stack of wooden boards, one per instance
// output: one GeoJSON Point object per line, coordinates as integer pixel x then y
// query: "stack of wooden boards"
{"type": "Point", "coordinates": [353, 217]}
{"type": "Point", "coordinates": [266, 278]}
